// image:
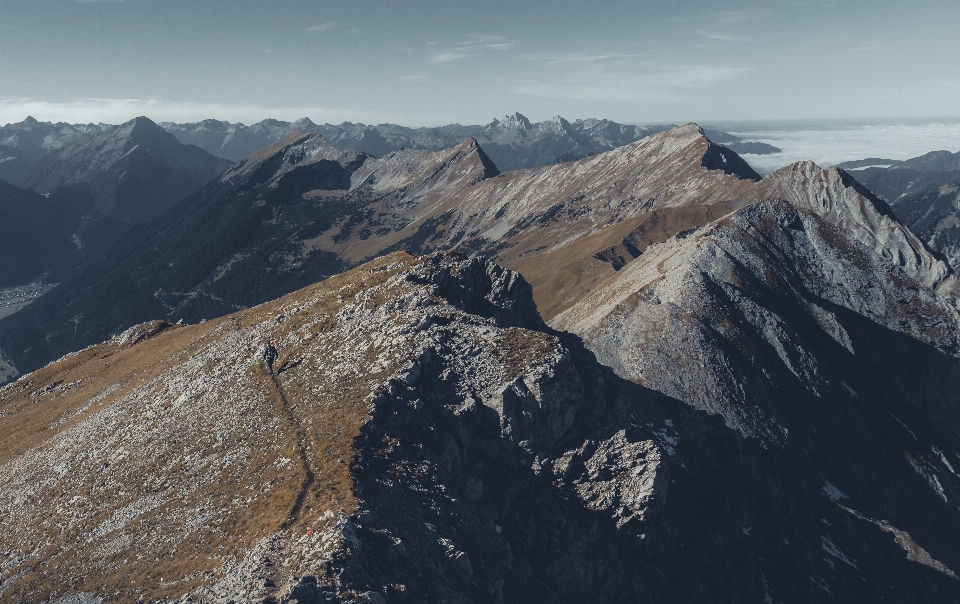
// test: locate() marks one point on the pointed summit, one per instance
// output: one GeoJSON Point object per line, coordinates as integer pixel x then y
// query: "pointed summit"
{"type": "Point", "coordinates": [517, 121]}
{"type": "Point", "coordinates": [295, 150]}
{"type": "Point", "coordinates": [840, 199]}
{"type": "Point", "coordinates": [142, 128]}
{"type": "Point", "coordinates": [471, 146]}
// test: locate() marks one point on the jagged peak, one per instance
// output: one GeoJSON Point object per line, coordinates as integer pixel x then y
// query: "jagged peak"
{"type": "Point", "coordinates": [258, 158]}
{"type": "Point", "coordinates": [838, 198]}
{"type": "Point", "coordinates": [690, 136]}
{"type": "Point", "coordinates": [271, 122]}
{"type": "Point", "coordinates": [471, 146]}
{"type": "Point", "coordinates": [804, 167]}
{"type": "Point", "coordinates": [515, 121]}
{"type": "Point", "coordinates": [688, 130]}
{"type": "Point", "coordinates": [304, 123]}
{"type": "Point", "coordinates": [141, 126]}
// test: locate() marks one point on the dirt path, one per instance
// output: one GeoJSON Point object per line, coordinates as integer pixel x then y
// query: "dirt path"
{"type": "Point", "coordinates": [302, 450]}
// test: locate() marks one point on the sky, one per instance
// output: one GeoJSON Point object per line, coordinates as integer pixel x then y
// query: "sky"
{"type": "Point", "coordinates": [433, 62]}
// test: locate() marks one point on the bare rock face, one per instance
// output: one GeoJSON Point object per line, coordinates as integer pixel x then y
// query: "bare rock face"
{"type": "Point", "coordinates": [424, 437]}
{"type": "Point", "coordinates": [797, 327]}
{"type": "Point", "coordinates": [837, 197]}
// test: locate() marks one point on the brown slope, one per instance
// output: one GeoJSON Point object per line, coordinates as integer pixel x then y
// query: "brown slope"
{"type": "Point", "coordinates": [211, 466]}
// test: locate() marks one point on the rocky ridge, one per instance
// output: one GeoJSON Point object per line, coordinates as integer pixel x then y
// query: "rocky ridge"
{"type": "Point", "coordinates": [300, 211]}
{"type": "Point", "coordinates": [789, 320]}
{"type": "Point", "coordinates": [425, 438]}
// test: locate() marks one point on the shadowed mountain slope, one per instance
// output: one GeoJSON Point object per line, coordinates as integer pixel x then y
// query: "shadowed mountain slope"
{"type": "Point", "coordinates": [935, 217]}
{"type": "Point", "coordinates": [301, 210]}
{"type": "Point", "coordinates": [793, 323]}
{"type": "Point", "coordinates": [918, 189]}
{"type": "Point", "coordinates": [134, 170]}
{"type": "Point", "coordinates": [425, 438]}
{"type": "Point", "coordinates": [99, 180]}
{"type": "Point", "coordinates": [40, 235]}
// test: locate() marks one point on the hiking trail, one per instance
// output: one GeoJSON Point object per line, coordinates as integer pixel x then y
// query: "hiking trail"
{"type": "Point", "coordinates": [302, 448]}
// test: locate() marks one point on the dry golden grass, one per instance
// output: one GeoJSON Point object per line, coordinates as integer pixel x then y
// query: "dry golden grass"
{"type": "Point", "coordinates": [562, 277]}
{"type": "Point", "coordinates": [320, 424]}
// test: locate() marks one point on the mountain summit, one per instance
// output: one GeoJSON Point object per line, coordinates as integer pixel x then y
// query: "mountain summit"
{"type": "Point", "coordinates": [134, 170]}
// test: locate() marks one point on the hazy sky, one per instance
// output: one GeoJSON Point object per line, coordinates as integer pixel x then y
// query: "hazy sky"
{"type": "Point", "coordinates": [430, 62]}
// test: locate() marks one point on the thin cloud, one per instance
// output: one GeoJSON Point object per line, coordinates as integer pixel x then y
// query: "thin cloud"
{"type": "Point", "coordinates": [584, 58]}
{"type": "Point", "coordinates": [322, 27]}
{"type": "Point", "coordinates": [416, 77]}
{"type": "Point", "coordinates": [473, 45]}
{"type": "Point", "coordinates": [715, 35]}
{"type": "Point", "coordinates": [732, 17]}
{"type": "Point", "coordinates": [446, 57]}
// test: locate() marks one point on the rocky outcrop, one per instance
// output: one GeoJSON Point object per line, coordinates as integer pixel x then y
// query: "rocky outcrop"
{"type": "Point", "coordinates": [424, 438]}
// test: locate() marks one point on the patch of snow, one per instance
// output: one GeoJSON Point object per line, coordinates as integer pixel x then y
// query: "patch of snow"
{"type": "Point", "coordinates": [831, 548]}
{"type": "Point", "coordinates": [905, 426]}
{"type": "Point", "coordinates": [852, 392]}
{"type": "Point", "coordinates": [833, 491]}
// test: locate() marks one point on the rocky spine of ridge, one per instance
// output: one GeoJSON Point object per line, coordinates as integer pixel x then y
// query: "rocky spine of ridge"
{"type": "Point", "coordinates": [301, 211]}
{"type": "Point", "coordinates": [800, 332]}
{"type": "Point", "coordinates": [287, 216]}
{"type": "Point", "coordinates": [423, 171]}
{"type": "Point", "coordinates": [424, 438]}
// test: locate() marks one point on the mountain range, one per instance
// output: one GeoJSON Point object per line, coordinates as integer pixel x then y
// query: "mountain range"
{"type": "Point", "coordinates": [425, 438]}
{"type": "Point", "coordinates": [99, 181]}
{"type": "Point", "coordinates": [512, 143]}
{"type": "Point", "coordinates": [646, 375]}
